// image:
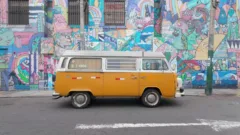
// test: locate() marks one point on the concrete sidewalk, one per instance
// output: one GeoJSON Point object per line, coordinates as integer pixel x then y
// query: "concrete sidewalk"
{"type": "Point", "coordinates": [48, 93]}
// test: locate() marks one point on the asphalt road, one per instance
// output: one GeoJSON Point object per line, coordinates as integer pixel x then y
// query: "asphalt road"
{"type": "Point", "coordinates": [44, 116]}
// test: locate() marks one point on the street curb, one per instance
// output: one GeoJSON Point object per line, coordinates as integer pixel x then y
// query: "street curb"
{"type": "Point", "coordinates": [25, 94]}
{"type": "Point", "coordinates": [238, 93]}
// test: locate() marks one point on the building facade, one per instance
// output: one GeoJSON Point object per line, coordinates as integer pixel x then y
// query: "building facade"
{"type": "Point", "coordinates": [34, 33]}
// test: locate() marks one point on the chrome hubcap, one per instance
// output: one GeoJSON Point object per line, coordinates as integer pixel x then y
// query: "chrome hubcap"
{"type": "Point", "coordinates": [80, 99]}
{"type": "Point", "coordinates": [151, 97]}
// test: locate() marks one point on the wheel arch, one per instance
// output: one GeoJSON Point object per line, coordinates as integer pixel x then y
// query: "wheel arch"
{"type": "Point", "coordinates": [79, 90]}
{"type": "Point", "coordinates": [151, 88]}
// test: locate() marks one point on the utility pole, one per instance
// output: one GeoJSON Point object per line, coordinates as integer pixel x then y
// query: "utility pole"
{"type": "Point", "coordinates": [82, 15]}
{"type": "Point", "coordinates": [214, 5]}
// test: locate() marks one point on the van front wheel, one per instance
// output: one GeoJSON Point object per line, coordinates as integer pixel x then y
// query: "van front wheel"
{"type": "Point", "coordinates": [151, 98]}
{"type": "Point", "coordinates": [80, 99]}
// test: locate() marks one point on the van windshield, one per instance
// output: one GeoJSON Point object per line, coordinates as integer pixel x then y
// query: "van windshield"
{"type": "Point", "coordinates": [64, 63]}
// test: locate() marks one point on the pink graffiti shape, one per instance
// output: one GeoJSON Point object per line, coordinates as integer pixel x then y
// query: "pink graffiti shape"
{"type": "Point", "coordinates": [60, 24]}
{"type": "Point", "coordinates": [22, 38]}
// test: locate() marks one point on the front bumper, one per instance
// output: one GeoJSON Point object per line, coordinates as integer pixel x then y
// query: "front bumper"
{"type": "Point", "coordinates": [54, 94]}
{"type": "Point", "coordinates": [180, 93]}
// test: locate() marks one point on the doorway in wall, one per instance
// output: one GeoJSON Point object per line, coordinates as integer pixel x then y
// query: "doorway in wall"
{"type": "Point", "coordinates": [3, 69]}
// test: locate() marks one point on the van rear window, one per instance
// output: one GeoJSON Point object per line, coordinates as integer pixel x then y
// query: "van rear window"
{"type": "Point", "coordinates": [85, 63]}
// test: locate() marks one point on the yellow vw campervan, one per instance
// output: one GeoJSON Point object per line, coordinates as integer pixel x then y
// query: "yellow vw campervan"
{"type": "Point", "coordinates": [83, 75]}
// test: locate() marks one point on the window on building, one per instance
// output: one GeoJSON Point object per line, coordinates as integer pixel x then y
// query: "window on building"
{"type": "Point", "coordinates": [85, 63]}
{"type": "Point", "coordinates": [121, 64]}
{"type": "Point", "coordinates": [154, 64]}
{"type": "Point", "coordinates": [114, 12]}
{"type": "Point", "coordinates": [74, 12]}
{"type": "Point", "coordinates": [49, 4]}
{"type": "Point", "coordinates": [18, 12]}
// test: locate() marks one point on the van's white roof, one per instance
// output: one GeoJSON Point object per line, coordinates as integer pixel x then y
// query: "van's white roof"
{"type": "Point", "coordinates": [73, 53]}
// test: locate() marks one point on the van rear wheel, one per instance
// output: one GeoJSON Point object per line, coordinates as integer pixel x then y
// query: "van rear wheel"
{"type": "Point", "coordinates": [80, 100]}
{"type": "Point", "coordinates": [151, 98]}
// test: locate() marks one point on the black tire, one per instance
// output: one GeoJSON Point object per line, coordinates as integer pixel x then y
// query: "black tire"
{"type": "Point", "coordinates": [83, 96]}
{"type": "Point", "coordinates": [155, 95]}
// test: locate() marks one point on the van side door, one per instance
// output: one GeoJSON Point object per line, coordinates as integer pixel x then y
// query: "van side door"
{"type": "Point", "coordinates": [121, 77]}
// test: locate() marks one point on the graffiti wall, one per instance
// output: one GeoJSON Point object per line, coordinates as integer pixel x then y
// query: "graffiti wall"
{"type": "Point", "coordinates": [22, 46]}
{"type": "Point", "coordinates": [177, 28]}
{"type": "Point", "coordinates": [183, 38]}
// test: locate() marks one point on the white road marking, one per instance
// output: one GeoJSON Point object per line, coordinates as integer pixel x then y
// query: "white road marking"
{"type": "Point", "coordinates": [219, 125]}
{"type": "Point", "coordinates": [216, 125]}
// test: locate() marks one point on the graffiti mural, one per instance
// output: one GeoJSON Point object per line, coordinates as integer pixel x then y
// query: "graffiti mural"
{"type": "Point", "coordinates": [225, 79]}
{"type": "Point", "coordinates": [177, 28]}
{"type": "Point", "coordinates": [47, 46]}
{"type": "Point", "coordinates": [3, 58]}
{"type": "Point", "coordinates": [184, 27]}
{"type": "Point", "coordinates": [7, 37]}
{"type": "Point", "coordinates": [49, 66]}
{"type": "Point", "coordinates": [22, 46]}
{"type": "Point", "coordinates": [238, 67]}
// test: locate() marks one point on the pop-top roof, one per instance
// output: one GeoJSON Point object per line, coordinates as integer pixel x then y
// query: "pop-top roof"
{"type": "Point", "coordinates": [72, 53]}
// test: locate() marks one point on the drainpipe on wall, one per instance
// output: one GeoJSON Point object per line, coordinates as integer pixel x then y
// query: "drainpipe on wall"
{"type": "Point", "coordinates": [82, 34]}
{"type": "Point", "coordinates": [162, 3]}
{"type": "Point", "coordinates": [214, 5]}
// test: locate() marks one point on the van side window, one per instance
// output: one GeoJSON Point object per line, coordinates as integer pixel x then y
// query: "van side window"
{"type": "Point", "coordinates": [154, 64]}
{"type": "Point", "coordinates": [64, 63]}
{"type": "Point", "coordinates": [85, 63]}
{"type": "Point", "coordinates": [121, 64]}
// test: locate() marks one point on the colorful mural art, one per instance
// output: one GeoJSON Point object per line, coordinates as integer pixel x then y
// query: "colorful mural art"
{"type": "Point", "coordinates": [21, 46]}
{"type": "Point", "coordinates": [184, 27]}
{"type": "Point", "coordinates": [47, 46]}
{"type": "Point", "coordinates": [177, 28]}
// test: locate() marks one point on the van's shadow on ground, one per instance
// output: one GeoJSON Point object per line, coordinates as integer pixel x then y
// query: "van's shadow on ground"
{"type": "Point", "coordinates": [116, 103]}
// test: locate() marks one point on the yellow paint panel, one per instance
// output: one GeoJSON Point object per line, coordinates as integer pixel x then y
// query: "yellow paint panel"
{"type": "Point", "coordinates": [202, 50]}
{"type": "Point", "coordinates": [115, 84]}
{"type": "Point", "coordinates": [79, 81]}
{"type": "Point", "coordinates": [166, 82]}
{"type": "Point", "coordinates": [121, 84]}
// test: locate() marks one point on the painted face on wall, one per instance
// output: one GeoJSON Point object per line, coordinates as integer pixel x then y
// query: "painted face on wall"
{"type": "Point", "coordinates": [6, 37]}
{"type": "Point", "coordinates": [22, 71]}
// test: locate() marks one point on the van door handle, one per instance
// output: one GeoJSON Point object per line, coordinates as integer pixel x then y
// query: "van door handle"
{"type": "Point", "coordinates": [143, 77]}
{"type": "Point", "coordinates": [134, 77]}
